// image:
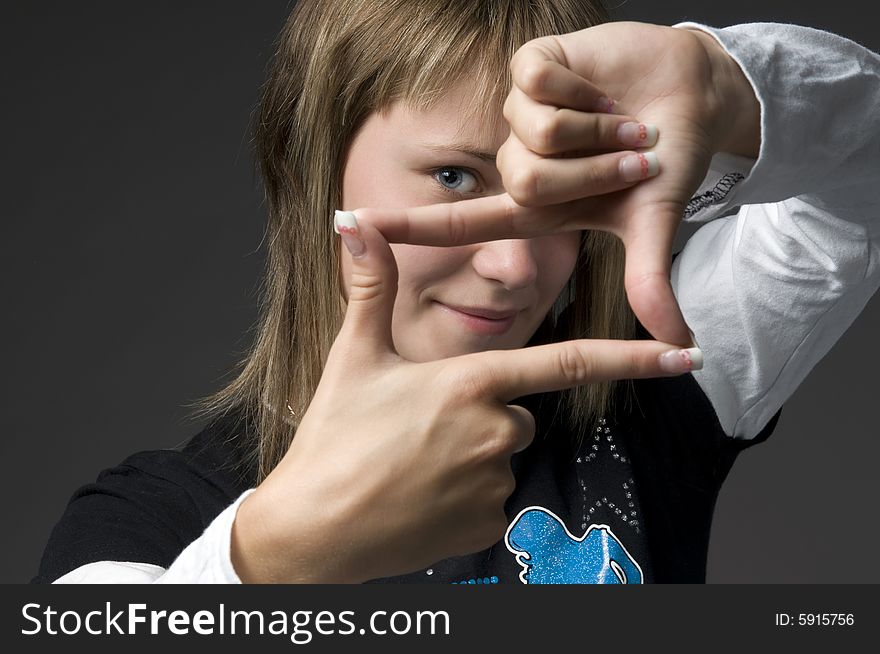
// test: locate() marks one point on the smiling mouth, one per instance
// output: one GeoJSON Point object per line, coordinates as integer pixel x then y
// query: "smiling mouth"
{"type": "Point", "coordinates": [484, 324]}
{"type": "Point", "coordinates": [483, 312]}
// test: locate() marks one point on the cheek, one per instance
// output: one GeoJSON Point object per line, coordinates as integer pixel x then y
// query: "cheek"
{"type": "Point", "coordinates": [557, 256]}
{"type": "Point", "coordinates": [408, 268]}
{"type": "Point", "coordinates": [418, 265]}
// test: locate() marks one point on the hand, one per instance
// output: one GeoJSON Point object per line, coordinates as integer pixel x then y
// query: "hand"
{"type": "Point", "coordinates": [677, 79]}
{"type": "Point", "coordinates": [397, 465]}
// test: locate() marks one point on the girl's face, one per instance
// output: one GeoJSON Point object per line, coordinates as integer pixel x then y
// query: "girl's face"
{"type": "Point", "coordinates": [415, 158]}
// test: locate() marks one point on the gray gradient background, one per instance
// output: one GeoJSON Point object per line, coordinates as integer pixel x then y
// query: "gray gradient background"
{"type": "Point", "coordinates": [131, 254]}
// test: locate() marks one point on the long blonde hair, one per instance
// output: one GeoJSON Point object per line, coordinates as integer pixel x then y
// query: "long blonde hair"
{"type": "Point", "coordinates": [337, 62]}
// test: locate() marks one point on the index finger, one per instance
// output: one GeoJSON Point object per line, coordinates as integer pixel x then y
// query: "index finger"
{"type": "Point", "coordinates": [538, 69]}
{"type": "Point", "coordinates": [464, 222]}
{"type": "Point", "coordinates": [557, 366]}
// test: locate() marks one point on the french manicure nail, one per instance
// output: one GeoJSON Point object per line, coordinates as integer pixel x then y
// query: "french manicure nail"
{"type": "Point", "coordinates": [637, 135]}
{"type": "Point", "coordinates": [636, 167]}
{"type": "Point", "coordinates": [345, 224]}
{"type": "Point", "coordinates": [679, 361]}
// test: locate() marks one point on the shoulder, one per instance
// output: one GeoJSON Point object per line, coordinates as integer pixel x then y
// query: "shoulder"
{"type": "Point", "coordinates": [214, 464]}
{"type": "Point", "coordinates": [153, 504]}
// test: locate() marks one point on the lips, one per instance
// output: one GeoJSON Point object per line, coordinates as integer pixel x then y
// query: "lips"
{"type": "Point", "coordinates": [484, 312]}
{"type": "Point", "coordinates": [484, 321]}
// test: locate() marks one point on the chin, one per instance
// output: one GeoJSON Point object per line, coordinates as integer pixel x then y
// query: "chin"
{"type": "Point", "coordinates": [423, 355]}
{"type": "Point", "coordinates": [435, 353]}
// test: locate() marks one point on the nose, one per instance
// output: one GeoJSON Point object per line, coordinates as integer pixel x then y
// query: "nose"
{"type": "Point", "coordinates": [511, 262]}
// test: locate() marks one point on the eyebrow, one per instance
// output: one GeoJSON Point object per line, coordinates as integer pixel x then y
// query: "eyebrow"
{"type": "Point", "coordinates": [464, 148]}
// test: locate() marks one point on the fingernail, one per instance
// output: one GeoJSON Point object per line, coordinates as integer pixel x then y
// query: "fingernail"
{"type": "Point", "coordinates": [636, 167]}
{"type": "Point", "coordinates": [678, 361]}
{"type": "Point", "coordinates": [345, 224]}
{"type": "Point", "coordinates": [637, 135]}
{"type": "Point", "coordinates": [605, 105]}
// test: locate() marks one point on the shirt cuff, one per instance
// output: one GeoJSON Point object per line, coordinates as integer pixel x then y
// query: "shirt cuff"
{"type": "Point", "coordinates": [208, 559]}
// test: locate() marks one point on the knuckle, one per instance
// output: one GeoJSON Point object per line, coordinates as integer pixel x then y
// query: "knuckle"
{"type": "Point", "coordinates": [506, 433]}
{"type": "Point", "coordinates": [516, 59]}
{"type": "Point", "coordinates": [544, 132]}
{"type": "Point", "coordinates": [499, 155]}
{"type": "Point", "coordinates": [507, 436]}
{"type": "Point", "coordinates": [576, 365]}
{"type": "Point", "coordinates": [495, 445]}
{"type": "Point", "coordinates": [502, 436]}
{"type": "Point", "coordinates": [365, 286]}
{"type": "Point", "coordinates": [635, 363]}
{"type": "Point", "coordinates": [533, 78]}
{"type": "Point", "coordinates": [464, 382]}
{"type": "Point", "coordinates": [507, 109]}
{"type": "Point", "coordinates": [497, 440]}
{"type": "Point", "coordinates": [590, 124]}
{"type": "Point", "coordinates": [458, 228]}
{"type": "Point", "coordinates": [525, 186]}
{"type": "Point", "coordinates": [594, 177]}
{"type": "Point", "coordinates": [509, 212]}
{"type": "Point", "coordinates": [627, 363]}
{"type": "Point", "coordinates": [606, 129]}
{"type": "Point", "coordinates": [639, 279]}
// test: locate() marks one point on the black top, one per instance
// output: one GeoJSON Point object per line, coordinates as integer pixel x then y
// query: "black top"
{"type": "Point", "coordinates": [632, 503]}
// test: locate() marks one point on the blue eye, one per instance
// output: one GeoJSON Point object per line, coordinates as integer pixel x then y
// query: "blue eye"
{"type": "Point", "coordinates": [457, 181]}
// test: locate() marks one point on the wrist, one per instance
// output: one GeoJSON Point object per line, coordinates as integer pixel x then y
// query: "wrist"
{"type": "Point", "coordinates": [276, 540]}
{"type": "Point", "coordinates": [738, 123]}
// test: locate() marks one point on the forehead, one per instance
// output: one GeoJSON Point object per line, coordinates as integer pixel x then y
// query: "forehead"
{"type": "Point", "coordinates": [462, 113]}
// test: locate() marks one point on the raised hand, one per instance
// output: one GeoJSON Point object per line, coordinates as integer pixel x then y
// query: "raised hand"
{"type": "Point", "coordinates": [678, 82]}
{"type": "Point", "coordinates": [568, 164]}
{"type": "Point", "coordinates": [396, 465]}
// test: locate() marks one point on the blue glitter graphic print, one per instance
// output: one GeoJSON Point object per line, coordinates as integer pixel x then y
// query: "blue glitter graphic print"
{"type": "Point", "coordinates": [549, 554]}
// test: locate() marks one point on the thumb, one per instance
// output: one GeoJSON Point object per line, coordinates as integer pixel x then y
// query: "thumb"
{"type": "Point", "coordinates": [648, 241]}
{"type": "Point", "coordinates": [373, 286]}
